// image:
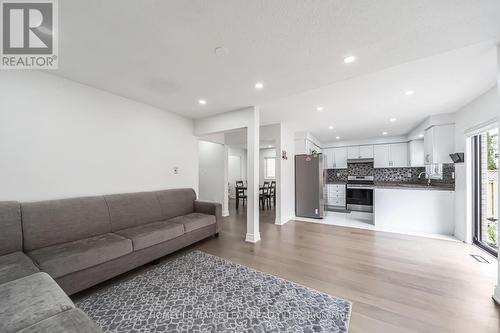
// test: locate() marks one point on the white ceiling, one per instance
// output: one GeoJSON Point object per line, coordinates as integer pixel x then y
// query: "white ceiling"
{"type": "Point", "coordinates": [361, 108]}
{"type": "Point", "coordinates": [162, 52]}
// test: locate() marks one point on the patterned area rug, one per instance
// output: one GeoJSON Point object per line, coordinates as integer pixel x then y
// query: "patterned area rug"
{"type": "Point", "coordinates": [199, 292]}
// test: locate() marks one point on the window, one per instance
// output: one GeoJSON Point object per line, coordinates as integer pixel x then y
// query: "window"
{"type": "Point", "coordinates": [270, 167]}
{"type": "Point", "coordinates": [485, 178]}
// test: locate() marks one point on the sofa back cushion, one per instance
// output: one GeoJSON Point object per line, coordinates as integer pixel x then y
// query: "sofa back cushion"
{"type": "Point", "coordinates": [11, 234]}
{"type": "Point", "coordinates": [53, 222]}
{"type": "Point", "coordinates": [133, 209]}
{"type": "Point", "coordinates": [176, 202]}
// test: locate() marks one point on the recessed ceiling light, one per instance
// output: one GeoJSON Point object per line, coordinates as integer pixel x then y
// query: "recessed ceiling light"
{"type": "Point", "coordinates": [331, 127]}
{"type": "Point", "coordinates": [409, 92]}
{"type": "Point", "coordinates": [337, 137]}
{"type": "Point", "coordinates": [269, 146]}
{"type": "Point", "coordinates": [420, 135]}
{"type": "Point", "coordinates": [393, 120]}
{"type": "Point", "coordinates": [319, 108]}
{"type": "Point", "coordinates": [202, 102]}
{"type": "Point", "coordinates": [384, 133]}
{"type": "Point", "coordinates": [259, 85]}
{"type": "Point", "coordinates": [349, 59]}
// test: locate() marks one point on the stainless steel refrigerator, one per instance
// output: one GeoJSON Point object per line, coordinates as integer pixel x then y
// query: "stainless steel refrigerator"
{"type": "Point", "coordinates": [309, 186]}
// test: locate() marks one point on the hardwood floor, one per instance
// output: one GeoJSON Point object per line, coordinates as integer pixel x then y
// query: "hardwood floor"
{"type": "Point", "coordinates": [396, 283]}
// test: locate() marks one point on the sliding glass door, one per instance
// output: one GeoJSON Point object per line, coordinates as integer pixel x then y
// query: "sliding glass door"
{"type": "Point", "coordinates": [485, 190]}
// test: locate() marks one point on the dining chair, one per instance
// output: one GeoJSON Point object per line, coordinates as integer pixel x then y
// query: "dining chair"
{"type": "Point", "coordinates": [240, 193]}
{"type": "Point", "coordinates": [273, 192]}
{"type": "Point", "coordinates": [262, 197]}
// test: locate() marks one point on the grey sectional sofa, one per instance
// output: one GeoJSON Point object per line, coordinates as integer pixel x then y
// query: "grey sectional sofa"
{"type": "Point", "coordinates": [69, 245]}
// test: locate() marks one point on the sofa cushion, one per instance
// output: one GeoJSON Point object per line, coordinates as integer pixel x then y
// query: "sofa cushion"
{"type": "Point", "coordinates": [30, 299]}
{"type": "Point", "coordinates": [11, 235]}
{"type": "Point", "coordinates": [16, 265]}
{"type": "Point", "coordinates": [133, 209]}
{"type": "Point", "coordinates": [71, 321]}
{"type": "Point", "coordinates": [176, 202]}
{"type": "Point", "coordinates": [62, 259]}
{"type": "Point", "coordinates": [150, 234]}
{"type": "Point", "coordinates": [47, 223]}
{"type": "Point", "coordinates": [194, 221]}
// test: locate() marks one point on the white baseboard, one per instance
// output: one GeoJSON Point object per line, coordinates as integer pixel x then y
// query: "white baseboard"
{"type": "Point", "coordinates": [225, 213]}
{"type": "Point", "coordinates": [252, 238]}
{"type": "Point", "coordinates": [496, 294]}
{"type": "Point", "coordinates": [278, 222]}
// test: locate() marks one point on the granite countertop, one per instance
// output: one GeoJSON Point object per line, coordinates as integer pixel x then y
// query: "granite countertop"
{"type": "Point", "coordinates": [414, 186]}
{"type": "Point", "coordinates": [337, 183]}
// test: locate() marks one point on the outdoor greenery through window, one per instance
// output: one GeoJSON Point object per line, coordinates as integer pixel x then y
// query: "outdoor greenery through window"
{"type": "Point", "coordinates": [490, 218]}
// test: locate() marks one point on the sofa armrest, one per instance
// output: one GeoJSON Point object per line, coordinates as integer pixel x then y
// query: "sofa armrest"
{"type": "Point", "coordinates": [211, 208]}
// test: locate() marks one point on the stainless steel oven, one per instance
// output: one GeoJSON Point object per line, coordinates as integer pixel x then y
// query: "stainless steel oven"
{"type": "Point", "coordinates": [360, 193]}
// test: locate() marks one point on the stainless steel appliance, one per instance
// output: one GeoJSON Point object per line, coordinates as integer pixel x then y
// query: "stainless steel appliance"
{"type": "Point", "coordinates": [360, 193]}
{"type": "Point", "coordinates": [309, 184]}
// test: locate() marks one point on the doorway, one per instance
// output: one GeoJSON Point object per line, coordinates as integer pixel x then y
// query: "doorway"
{"type": "Point", "coordinates": [485, 190]}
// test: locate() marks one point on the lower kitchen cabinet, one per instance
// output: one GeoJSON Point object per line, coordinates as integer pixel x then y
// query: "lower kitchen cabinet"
{"type": "Point", "coordinates": [336, 195]}
{"type": "Point", "coordinates": [414, 211]}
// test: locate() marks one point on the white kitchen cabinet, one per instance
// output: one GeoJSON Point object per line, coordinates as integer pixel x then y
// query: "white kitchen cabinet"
{"type": "Point", "coordinates": [414, 211]}
{"type": "Point", "coordinates": [366, 151]}
{"type": "Point", "coordinates": [393, 155]}
{"type": "Point", "coordinates": [439, 143]}
{"type": "Point", "coordinates": [381, 156]}
{"type": "Point", "coordinates": [336, 195]}
{"type": "Point", "coordinates": [353, 152]}
{"type": "Point", "coordinates": [340, 158]}
{"type": "Point", "coordinates": [360, 152]}
{"type": "Point", "coordinates": [398, 155]}
{"type": "Point", "coordinates": [416, 153]}
{"type": "Point", "coordinates": [336, 158]}
{"type": "Point", "coordinates": [330, 157]}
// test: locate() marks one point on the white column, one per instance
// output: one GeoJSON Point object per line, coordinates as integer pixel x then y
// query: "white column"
{"type": "Point", "coordinates": [225, 201]}
{"type": "Point", "coordinates": [282, 177]}
{"type": "Point", "coordinates": [279, 174]}
{"type": "Point", "coordinates": [496, 294]}
{"type": "Point", "coordinates": [253, 234]}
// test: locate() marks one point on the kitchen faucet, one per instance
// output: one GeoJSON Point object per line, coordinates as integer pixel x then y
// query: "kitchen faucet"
{"type": "Point", "coordinates": [428, 177]}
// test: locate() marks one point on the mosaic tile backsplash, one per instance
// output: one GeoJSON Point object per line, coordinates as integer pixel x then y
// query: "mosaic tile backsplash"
{"type": "Point", "coordinates": [406, 175]}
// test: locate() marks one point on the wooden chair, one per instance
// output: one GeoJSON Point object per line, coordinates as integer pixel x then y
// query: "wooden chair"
{"type": "Point", "coordinates": [240, 193]}
{"type": "Point", "coordinates": [272, 196]}
{"type": "Point", "coordinates": [263, 192]}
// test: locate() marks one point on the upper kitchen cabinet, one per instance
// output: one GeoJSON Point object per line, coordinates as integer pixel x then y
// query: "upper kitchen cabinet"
{"type": "Point", "coordinates": [336, 158]}
{"type": "Point", "coordinates": [439, 143]}
{"type": "Point", "coordinates": [416, 153]}
{"type": "Point", "coordinates": [329, 156]}
{"type": "Point", "coordinates": [393, 155]}
{"type": "Point", "coordinates": [340, 158]}
{"type": "Point", "coordinates": [360, 152]}
{"type": "Point", "coordinates": [381, 156]}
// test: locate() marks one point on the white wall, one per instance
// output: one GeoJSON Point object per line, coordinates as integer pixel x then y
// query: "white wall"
{"type": "Point", "coordinates": [61, 139]}
{"type": "Point", "coordinates": [211, 172]}
{"type": "Point", "coordinates": [482, 110]}
{"type": "Point", "coordinates": [271, 152]}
